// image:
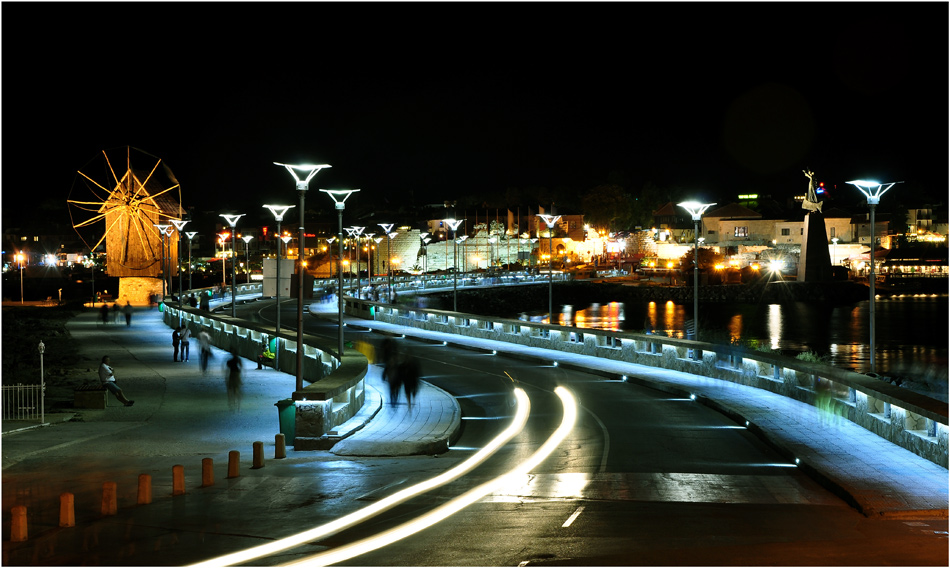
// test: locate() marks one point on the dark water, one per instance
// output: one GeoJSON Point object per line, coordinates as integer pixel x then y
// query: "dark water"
{"type": "Point", "coordinates": [911, 332]}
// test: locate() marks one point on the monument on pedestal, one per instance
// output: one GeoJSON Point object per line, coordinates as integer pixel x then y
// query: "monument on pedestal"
{"type": "Point", "coordinates": [814, 264]}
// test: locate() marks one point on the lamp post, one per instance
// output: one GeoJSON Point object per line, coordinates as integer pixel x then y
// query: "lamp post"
{"type": "Point", "coordinates": [232, 220]}
{"type": "Point", "coordinates": [369, 259]}
{"type": "Point", "coordinates": [278, 211]}
{"type": "Point", "coordinates": [387, 227]}
{"type": "Point", "coordinates": [247, 257]}
{"type": "Point", "coordinates": [696, 210]}
{"type": "Point", "coordinates": [550, 220]}
{"type": "Point", "coordinates": [339, 198]}
{"type": "Point", "coordinates": [425, 257]}
{"type": "Point", "coordinates": [179, 225]}
{"type": "Point", "coordinates": [162, 229]}
{"type": "Point", "coordinates": [454, 225]}
{"type": "Point", "coordinates": [302, 186]}
{"type": "Point", "coordinates": [873, 191]}
{"type": "Point", "coordinates": [191, 235]}
{"type": "Point", "coordinates": [357, 231]}
{"type": "Point", "coordinates": [42, 349]}
{"type": "Point", "coordinates": [19, 261]}
{"type": "Point", "coordinates": [834, 242]}
{"type": "Point", "coordinates": [222, 237]}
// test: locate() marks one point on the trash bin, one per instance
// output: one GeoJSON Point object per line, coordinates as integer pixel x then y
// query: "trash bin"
{"type": "Point", "coordinates": [287, 413]}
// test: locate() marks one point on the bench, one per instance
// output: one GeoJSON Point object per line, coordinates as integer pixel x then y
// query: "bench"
{"type": "Point", "coordinates": [90, 395]}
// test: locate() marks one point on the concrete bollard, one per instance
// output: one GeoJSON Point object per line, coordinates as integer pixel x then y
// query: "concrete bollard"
{"type": "Point", "coordinates": [258, 455]}
{"type": "Point", "coordinates": [178, 480]}
{"type": "Point", "coordinates": [280, 447]}
{"type": "Point", "coordinates": [109, 498]}
{"type": "Point", "coordinates": [67, 510]}
{"type": "Point", "coordinates": [18, 524]}
{"type": "Point", "coordinates": [234, 463]}
{"type": "Point", "coordinates": [145, 489]}
{"type": "Point", "coordinates": [207, 472]}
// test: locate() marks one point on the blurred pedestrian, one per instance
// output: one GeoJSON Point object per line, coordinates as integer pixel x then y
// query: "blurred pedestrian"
{"type": "Point", "coordinates": [104, 313]}
{"type": "Point", "coordinates": [390, 359]}
{"type": "Point", "coordinates": [115, 312]}
{"type": "Point", "coordinates": [409, 374]}
{"type": "Point", "coordinates": [176, 341]}
{"type": "Point", "coordinates": [107, 377]}
{"type": "Point", "coordinates": [204, 346]}
{"type": "Point", "coordinates": [234, 381]}
{"type": "Point", "coordinates": [185, 343]}
{"type": "Point", "coordinates": [128, 313]}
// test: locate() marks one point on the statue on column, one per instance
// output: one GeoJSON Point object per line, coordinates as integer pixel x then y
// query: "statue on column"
{"type": "Point", "coordinates": [811, 202]}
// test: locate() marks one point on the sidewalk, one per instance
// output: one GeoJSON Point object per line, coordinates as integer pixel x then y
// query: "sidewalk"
{"type": "Point", "coordinates": [877, 477]}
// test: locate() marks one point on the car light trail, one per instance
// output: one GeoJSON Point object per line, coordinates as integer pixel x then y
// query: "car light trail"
{"type": "Point", "coordinates": [356, 517]}
{"type": "Point", "coordinates": [455, 505]}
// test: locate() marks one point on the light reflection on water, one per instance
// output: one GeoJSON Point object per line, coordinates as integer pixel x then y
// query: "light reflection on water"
{"type": "Point", "coordinates": [911, 332]}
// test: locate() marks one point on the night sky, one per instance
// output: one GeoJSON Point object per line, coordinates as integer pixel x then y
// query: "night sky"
{"type": "Point", "coordinates": [430, 101]}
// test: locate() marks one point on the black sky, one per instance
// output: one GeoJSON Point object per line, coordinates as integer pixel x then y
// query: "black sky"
{"type": "Point", "coordinates": [435, 101]}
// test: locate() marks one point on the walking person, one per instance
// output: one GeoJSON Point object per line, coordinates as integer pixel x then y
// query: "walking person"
{"type": "Point", "coordinates": [390, 358]}
{"type": "Point", "coordinates": [115, 312]}
{"type": "Point", "coordinates": [104, 313]}
{"type": "Point", "coordinates": [409, 373]}
{"type": "Point", "coordinates": [107, 377]}
{"type": "Point", "coordinates": [234, 382]}
{"type": "Point", "coordinates": [176, 342]}
{"type": "Point", "coordinates": [185, 343]}
{"type": "Point", "coordinates": [204, 346]}
{"type": "Point", "coordinates": [128, 313]}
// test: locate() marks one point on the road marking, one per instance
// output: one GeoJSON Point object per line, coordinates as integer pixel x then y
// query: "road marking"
{"type": "Point", "coordinates": [573, 517]}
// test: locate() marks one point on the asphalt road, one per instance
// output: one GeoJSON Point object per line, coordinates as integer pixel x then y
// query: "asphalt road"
{"type": "Point", "coordinates": [643, 479]}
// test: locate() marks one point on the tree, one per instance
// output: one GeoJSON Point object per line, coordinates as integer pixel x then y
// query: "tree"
{"type": "Point", "coordinates": [607, 206]}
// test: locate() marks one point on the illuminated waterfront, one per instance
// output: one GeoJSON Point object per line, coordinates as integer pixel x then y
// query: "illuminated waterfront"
{"type": "Point", "coordinates": [912, 331]}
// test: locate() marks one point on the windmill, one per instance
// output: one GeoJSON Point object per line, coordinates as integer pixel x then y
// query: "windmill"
{"type": "Point", "coordinates": [118, 198]}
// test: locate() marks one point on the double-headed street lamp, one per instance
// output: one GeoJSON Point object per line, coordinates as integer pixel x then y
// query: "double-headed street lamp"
{"type": "Point", "coordinates": [550, 220]}
{"type": "Point", "coordinates": [278, 211]}
{"type": "Point", "coordinates": [454, 225]}
{"type": "Point", "coordinates": [339, 197]}
{"type": "Point", "coordinates": [179, 225]}
{"type": "Point", "coordinates": [232, 220]}
{"type": "Point", "coordinates": [302, 185]}
{"type": "Point", "coordinates": [873, 191]}
{"type": "Point", "coordinates": [696, 210]}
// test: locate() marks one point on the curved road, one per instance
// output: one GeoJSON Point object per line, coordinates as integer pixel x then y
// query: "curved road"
{"type": "Point", "coordinates": [644, 478]}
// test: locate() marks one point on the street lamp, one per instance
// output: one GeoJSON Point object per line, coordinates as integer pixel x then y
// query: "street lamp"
{"type": "Point", "coordinates": [834, 241]}
{"type": "Point", "coordinates": [232, 220]}
{"type": "Point", "coordinates": [19, 260]}
{"type": "Point", "coordinates": [357, 231]}
{"type": "Point", "coordinates": [387, 227]}
{"type": "Point", "coordinates": [247, 257]}
{"type": "Point", "coordinates": [339, 197]}
{"type": "Point", "coordinates": [302, 186]}
{"type": "Point", "coordinates": [162, 230]}
{"type": "Point", "coordinates": [425, 257]}
{"type": "Point", "coordinates": [454, 225]}
{"type": "Point", "coordinates": [222, 237]}
{"type": "Point", "coordinates": [550, 220]}
{"type": "Point", "coordinates": [873, 191]}
{"type": "Point", "coordinates": [42, 349]}
{"type": "Point", "coordinates": [191, 235]}
{"type": "Point", "coordinates": [278, 211]}
{"type": "Point", "coordinates": [179, 225]}
{"type": "Point", "coordinates": [696, 210]}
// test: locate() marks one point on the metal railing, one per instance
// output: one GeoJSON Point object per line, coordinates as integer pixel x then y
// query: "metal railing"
{"type": "Point", "coordinates": [23, 402]}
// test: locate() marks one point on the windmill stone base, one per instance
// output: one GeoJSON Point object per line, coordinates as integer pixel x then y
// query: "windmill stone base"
{"type": "Point", "coordinates": [137, 289]}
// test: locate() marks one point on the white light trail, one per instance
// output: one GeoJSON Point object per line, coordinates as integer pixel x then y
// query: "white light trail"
{"type": "Point", "coordinates": [455, 505]}
{"type": "Point", "coordinates": [356, 517]}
